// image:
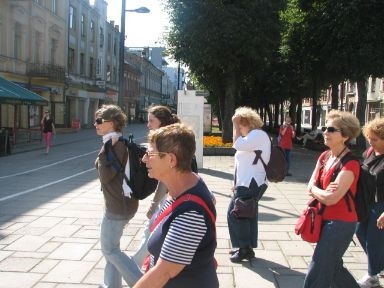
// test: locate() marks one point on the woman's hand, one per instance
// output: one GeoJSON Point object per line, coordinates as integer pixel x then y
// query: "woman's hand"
{"type": "Point", "coordinates": [332, 187]}
{"type": "Point", "coordinates": [380, 221]}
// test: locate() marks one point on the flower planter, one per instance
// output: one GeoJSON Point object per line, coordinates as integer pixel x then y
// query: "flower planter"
{"type": "Point", "coordinates": [218, 151]}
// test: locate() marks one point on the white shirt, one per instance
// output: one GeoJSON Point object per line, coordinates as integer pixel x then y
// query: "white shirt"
{"type": "Point", "coordinates": [245, 146]}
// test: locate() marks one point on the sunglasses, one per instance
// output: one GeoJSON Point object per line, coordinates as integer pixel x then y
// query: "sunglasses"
{"type": "Point", "coordinates": [331, 129]}
{"type": "Point", "coordinates": [100, 121]}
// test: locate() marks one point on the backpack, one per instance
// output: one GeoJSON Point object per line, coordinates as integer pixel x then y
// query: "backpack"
{"type": "Point", "coordinates": [363, 200]}
{"type": "Point", "coordinates": [140, 183]}
{"type": "Point", "coordinates": [277, 167]}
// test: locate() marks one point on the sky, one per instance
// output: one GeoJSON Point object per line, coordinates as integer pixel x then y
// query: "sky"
{"type": "Point", "coordinates": [141, 29]}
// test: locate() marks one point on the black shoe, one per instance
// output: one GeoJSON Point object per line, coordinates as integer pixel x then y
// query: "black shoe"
{"type": "Point", "coordinates": [241, 254]}
{"type": "Point", "coordinates": [231, 252]}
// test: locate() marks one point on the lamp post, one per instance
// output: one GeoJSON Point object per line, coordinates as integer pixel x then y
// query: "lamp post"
{"type": "Point", "coordinates": [120, 97]}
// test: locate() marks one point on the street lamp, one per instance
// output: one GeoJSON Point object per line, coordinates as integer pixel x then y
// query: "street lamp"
{"type": "Point", "coordinates": [122, 48]}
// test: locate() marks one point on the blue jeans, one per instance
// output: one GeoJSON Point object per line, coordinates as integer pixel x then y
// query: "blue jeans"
{"type": "Point", "coordinates": [326, 268]}
{"type": "Point", "coordinates": [288, 157]}
{"type": "Point", "coordinates": [371, 239]}
{"type": "Point", "coordinates": [118, 264]}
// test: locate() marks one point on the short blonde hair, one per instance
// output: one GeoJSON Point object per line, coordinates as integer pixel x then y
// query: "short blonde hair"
{"type": "Point", "coordinates": [347, 122]}
{"type": "Point", "coordinates": [375, 126]}
{"type": "Point", "coordinates": [249, 117]}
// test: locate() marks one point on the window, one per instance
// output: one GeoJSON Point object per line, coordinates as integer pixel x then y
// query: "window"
{"type": "Point", "coordinates": [98, 66]}
{"type": "Point", "coordinates": [108, 73]}
{"type": "Point", "coordinates": [93, 32]}
{"type": "Point", "coordinates": [115, 47]}
{"type": "Point", "coordinates": [109, 44]}
{"type": "Point", "coordinates": [53, 6]}
{"type": "Point", "coordinates": [82, 64]}
{"type": "Point", "coordinates": [37, 47]}
{"type": "Point", "coordinates": [373, 84]}
{"type": "Point", "coordinates": [72, 18]}
{"type": "Point", "coordinates": [17, 41]}
{"type": "Point", "coordinates": [101, 37]}
{"type": "Point", "coordinates": [53, 51]}
{"type": "Point", "coordinates": [83, 26]}
{"type": "Point", "coordinates": [91, 67]}
{"type": "Point", "coordinates": [71, 60]}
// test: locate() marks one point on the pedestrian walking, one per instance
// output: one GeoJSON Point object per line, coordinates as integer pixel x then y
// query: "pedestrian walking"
{"type": "Point", "coordinates": [249, 180]}
{"type": "Point", "coordinates": [183, 239]}
{"type": "Point", "coordinates": [287, 133]}
{"type": "Point", "coordinates": [48, 125]}
{"type": "Point", "coordinates": [326, 268]}
{"type": "Point", "coordinates": [120, 207]}
{"type": "Point", "coordinates": [370, 232]}
{"type": "Point", "coordinates": [158, 116]}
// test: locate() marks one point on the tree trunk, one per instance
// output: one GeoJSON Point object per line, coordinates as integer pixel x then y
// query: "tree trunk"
{"type": "Point", "coordinates": [335, 96]}
{"type": "Point", "coordinates": [298, 116]}
{"type": "Point", "coordinates": [360, 110]}
{"type": "Point", "coordinates": [229, 108]}
{"type": "Point", "coordinates": [314, 105]}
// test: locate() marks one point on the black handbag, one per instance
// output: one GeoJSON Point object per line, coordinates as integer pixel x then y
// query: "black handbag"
{"type": "Point", "coordinates": [244, 208]}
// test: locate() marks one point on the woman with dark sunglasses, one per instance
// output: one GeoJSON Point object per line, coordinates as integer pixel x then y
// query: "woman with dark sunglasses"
{"type": "Point", "coordinates": [120, 207]}
{"type": "Point", "coordinates": [370, 231]}
{"type": "Point", "coordinates": [332, 178]}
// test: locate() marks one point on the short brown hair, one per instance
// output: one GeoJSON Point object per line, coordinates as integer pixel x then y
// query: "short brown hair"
{"type": "Point", "coordinates": [112, 113]}
{"type": "Point", "coordinates": [177, 139]}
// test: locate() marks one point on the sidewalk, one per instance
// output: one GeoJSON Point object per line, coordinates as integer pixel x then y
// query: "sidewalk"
{"type": "Point", "coordinates": [60, 248]}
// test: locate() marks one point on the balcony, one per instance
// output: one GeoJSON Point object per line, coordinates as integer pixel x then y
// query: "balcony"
{"type": "Point", "coordinates": [48, 71]}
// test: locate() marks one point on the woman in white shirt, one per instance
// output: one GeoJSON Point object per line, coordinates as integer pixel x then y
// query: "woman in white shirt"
{"type": "Point", "coordinates": [249, 179]}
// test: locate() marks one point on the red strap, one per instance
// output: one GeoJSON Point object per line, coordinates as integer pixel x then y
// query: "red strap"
{"type": "Point", "coordinates": [183, 198]}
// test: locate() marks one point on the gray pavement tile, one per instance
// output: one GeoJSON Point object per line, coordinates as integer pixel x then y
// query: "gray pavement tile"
{"type": "Point", "coordinates": [18, 280]}
{"type": "Point", "coordinates": [68, 250]}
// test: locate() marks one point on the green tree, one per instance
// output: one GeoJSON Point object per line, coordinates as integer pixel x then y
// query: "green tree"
{"type": "Point", "coordinates": [339, 40]}
{"type": "Point", "coordinates": [226, 44]}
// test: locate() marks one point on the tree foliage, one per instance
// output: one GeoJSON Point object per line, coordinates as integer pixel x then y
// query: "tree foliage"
{"type": "Point", "coordinates": [228, 45]}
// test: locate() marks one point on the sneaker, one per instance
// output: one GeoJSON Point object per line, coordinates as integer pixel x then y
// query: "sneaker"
{"type": "Point", "coordinates": [381, 274]}
{"type": "Point", "coordinates": [369, 281]}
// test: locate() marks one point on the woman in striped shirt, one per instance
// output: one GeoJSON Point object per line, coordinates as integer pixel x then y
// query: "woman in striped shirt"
{"type": "Point", "coordinates": [183, 243]}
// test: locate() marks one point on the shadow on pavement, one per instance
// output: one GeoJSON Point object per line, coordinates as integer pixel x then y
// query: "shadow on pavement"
{"type": "Point", "coordinates": [216, 173]}
{"type": "Point", "coordinates": [274, 272]}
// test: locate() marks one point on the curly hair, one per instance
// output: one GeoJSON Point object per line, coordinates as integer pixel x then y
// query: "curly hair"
{"type": "Point", "coordinates": [164, 114]}
{"type": "Point", "coordinates": [376, 127]}
{"type": "Point", "coordinates": [347, 122]}
{"type": "Point", "coordinates": [249, 117]}
{"type": "Point", "coordinates": [112, 113]}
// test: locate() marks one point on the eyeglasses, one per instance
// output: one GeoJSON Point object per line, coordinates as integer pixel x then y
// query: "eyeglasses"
{"type": "Point", "coordinates": [100, 121]}
{"type": "Point", "coordinates": [331, 129]}
{"type": "Point", "coordinates": [153, 153]}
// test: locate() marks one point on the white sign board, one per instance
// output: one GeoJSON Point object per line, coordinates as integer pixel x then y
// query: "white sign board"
{"type": "Point", "coordinates": [190, 109]}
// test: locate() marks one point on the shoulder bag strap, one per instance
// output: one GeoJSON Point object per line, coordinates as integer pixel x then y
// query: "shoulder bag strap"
{"type": "Point", "coordinates": [178, 201]}
{"type": "Point", "coordinates": [121, 168]}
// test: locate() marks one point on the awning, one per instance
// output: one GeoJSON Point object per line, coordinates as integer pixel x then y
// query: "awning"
{"type": "Point", "coordinates": [11, 93]}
